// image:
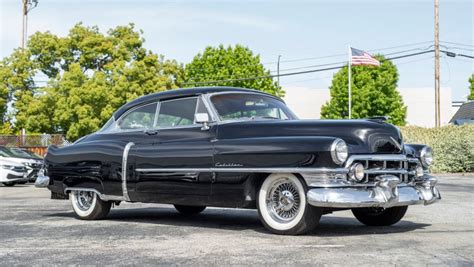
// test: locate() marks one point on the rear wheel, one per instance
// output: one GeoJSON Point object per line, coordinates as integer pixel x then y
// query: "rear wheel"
{"type": "Point", "coordinates": [9, 184]}
{"type": "Point", "coordinates": [189, 210]}
{"type": "Point", "coordinates": [282, 206]}
{"type": "Point", "coordinates": [380, 216]}
{"type": "Point", "coordinates": [88, 206]}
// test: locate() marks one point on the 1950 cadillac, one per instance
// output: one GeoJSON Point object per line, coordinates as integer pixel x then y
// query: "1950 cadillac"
{"type": "Point", "coordinates": [240, 148]}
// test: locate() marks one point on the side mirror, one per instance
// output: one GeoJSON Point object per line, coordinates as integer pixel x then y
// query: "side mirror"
{"type": "Point", "coordinates": [204, 119]}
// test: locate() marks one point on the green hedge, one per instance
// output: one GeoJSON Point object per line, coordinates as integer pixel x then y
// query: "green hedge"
{"type": "Point", "coordinates": [453, 146]}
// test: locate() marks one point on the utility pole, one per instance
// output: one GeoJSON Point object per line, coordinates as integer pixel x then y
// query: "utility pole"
{"type": "Point", "coordinates": [27, 6]}
{"type": "Point", "coordinates": [437, 72]}
{"type": "Point", "coordinates": [278, 70]}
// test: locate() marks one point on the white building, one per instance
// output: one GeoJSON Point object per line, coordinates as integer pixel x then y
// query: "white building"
{"type": "Point", "coordinates": [307, 102]}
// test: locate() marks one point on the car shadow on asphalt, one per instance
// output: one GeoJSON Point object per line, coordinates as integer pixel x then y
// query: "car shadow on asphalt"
{"type": "Point", "coordinates": [239, 220]}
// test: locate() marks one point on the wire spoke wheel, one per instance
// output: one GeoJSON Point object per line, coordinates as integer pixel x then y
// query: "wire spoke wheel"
{"type": "Point", "coordinates": [88, 206]}
{"type": "Point", "coordinates": [283, 201]}
{"type": "Point", "coordinates": [84, 199]}
{"type": "Point", "coordinates": [282, 205]}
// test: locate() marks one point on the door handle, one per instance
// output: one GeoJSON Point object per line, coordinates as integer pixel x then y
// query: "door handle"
{"type": "Point", "coordinates": [151, 132]}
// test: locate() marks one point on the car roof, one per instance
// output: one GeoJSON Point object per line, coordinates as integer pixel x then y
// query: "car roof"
{"type": "Point", "coordinates": [182, 92]}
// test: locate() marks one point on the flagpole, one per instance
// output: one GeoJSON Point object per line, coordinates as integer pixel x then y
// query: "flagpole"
{"type": "Point", "coordinates": [350, 93]}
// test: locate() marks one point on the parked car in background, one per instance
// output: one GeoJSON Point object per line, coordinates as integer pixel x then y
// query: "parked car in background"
{"type": "Point", "coordinates": [32, 154]}
{"type": "Point", "coordinates": [240, 148]}
{"type": "Point", "coordinates": [12, 172]}
{"type": "Point", "coordinates": [32, 163]}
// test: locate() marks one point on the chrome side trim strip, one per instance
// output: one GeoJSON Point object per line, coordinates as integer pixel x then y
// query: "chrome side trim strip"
{"type": "Point", "coordinates": [257, 170]}
{"type": "Point", "coordinates": [126, 150]}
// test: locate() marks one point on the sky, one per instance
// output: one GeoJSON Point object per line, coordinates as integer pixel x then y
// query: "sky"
{"type": "Point", "coordinates": [304, 33]}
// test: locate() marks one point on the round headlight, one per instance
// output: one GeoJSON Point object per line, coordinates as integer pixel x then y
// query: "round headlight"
{"type": "Point", "coordinates": [357, 172]}
{"type": "Point", "coordinates": [426, 156]}
{"type": "Point", "coordinates": [339, 151]}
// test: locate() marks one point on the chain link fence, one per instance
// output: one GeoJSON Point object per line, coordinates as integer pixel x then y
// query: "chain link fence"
{"type": "Point", "coordinates": [42, 140]}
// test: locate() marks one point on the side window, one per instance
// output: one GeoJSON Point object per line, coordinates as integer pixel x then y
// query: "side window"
{"type": "Point", "coordinates": [178, 112]}
{"type": "Point", "coordinates": [140, 118]}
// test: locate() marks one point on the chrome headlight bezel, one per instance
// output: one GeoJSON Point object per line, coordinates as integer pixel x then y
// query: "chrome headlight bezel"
{"type": "Point", "coordinates": [339, 151]}
{"type": "Point", "coordinates": [426, 156]}
{"type": "Point", "coordinates": [357, 172]}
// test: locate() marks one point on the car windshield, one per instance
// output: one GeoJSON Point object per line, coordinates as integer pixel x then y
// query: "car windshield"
{"type": "Point", "coordinates": [18, 153]}
{"type": "Point", "coordinates": [5, 152]}
{"type": "Point", "coordinates": [32, 154]}
{"type": "Point", "coordinates": [235, 106]}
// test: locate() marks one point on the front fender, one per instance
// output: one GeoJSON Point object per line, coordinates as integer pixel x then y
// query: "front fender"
{"type": "Point", "coordinates": [282, 151]}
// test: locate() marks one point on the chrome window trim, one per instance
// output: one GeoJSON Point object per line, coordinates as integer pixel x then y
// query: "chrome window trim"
{"type": "Point", "coordinates": [158, 107]}
{"type": "Point", "coordinates": [210, 108]}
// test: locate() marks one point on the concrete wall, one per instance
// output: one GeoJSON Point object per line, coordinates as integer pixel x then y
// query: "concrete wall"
{"type": "Point", "coordinates": [306, 103]}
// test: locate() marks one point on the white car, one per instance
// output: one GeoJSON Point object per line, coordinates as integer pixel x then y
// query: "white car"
{"type": "Point", "coordinates": [32, 165]}
{"type": "Point", "coordinates": [12, 172]}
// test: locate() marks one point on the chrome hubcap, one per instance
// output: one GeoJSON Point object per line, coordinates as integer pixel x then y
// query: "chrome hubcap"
{"type": "Point", "coordinates": [283, 201]}
{"type": "Point", "coordinates": [84, 199]}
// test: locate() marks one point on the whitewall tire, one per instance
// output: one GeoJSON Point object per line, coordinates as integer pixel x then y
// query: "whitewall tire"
{"type": "Point", "coordinates": [88, 206]}
{"type": "Point", "coordinates": [282, 205]}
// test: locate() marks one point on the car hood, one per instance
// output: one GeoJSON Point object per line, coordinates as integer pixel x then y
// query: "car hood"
{"type": "Point", "coordinates": [21, 160]}
{"type": "Point", "coordinates": [8, 161]}
{"type": "Point", "coordinates": [361, 136]}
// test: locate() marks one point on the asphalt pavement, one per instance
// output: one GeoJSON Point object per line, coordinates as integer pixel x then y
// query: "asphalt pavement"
{"type": "Point", "coordinates": [35, 230]}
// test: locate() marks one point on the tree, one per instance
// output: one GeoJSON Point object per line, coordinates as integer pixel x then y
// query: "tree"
{"type": "Point", "coordinates": [16, 78]}
{"type": "Point", "coordinates": [471, 88]}
{"type": "Point", "coordinates": [221, 63]}
{"type": "Point", "coordinates": [373, 93]}
{"type": "Point", "coordinates": [89, 75]}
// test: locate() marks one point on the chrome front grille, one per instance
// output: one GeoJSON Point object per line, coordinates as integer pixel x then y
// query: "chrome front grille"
{"type": "Point", "coordinates": [378, 167]}
{"type": "Point", "coordinates": [375, 165]}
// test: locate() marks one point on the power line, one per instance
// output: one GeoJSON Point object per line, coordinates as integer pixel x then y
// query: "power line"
{"type": "Point", "coordinates": [330, 56]}
{"type": "Point", "coordinates": [295, 73]}
{"type": "Point", "coordinates": [457, 48]}
{"type": "Point", "coordinates": [341, 62]}
{"type": "Point", "coordinates": [457, 43]}
{"type": "Point", "coordinates": [338, 55]}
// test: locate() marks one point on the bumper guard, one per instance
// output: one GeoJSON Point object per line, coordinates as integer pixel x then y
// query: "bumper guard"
{"type": "Point", "coordinates": [42, 180]}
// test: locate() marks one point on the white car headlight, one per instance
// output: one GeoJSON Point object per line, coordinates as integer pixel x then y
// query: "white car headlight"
{"type": "Point", "coordinates": [426, 156]}
{"type": "Point", "coordinates": [8, 167]}
{"type": "Point", "coordinates": [339, 151]}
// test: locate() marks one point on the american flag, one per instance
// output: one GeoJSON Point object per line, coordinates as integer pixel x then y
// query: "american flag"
{"type": "Point", "coordinates": [359, 57]}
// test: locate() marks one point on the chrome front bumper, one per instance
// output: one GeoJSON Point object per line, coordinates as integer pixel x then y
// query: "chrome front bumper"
{"type": "Point", "coordinates": [386, 193]}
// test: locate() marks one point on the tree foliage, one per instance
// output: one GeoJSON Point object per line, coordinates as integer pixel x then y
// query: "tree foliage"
{"type": "Point", "coordinates": [224, 63]}
{"type": "Point", "coordinates": [89, 76]}
{"type": "Point", "coordinates": [373, 93]}
{"type": "Point", "coordinates": [471, 88]}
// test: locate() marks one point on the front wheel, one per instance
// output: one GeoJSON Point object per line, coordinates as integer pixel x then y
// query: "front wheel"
{"type": "Point", "coordinates": [282, 206]}
{"type": "Point", "coordinates": [88, 206]}
{"type": "Point", "coordinates": [380, 216]}
{"type": "Point", "coordinates": [9, 184]}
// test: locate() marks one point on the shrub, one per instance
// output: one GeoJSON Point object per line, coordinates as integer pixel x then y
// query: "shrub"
{"type": "Point", "coordinates": [453, 146]}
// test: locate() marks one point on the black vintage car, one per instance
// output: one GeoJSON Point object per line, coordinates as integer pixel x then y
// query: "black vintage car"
{"type": "Point", "coordinates": [240, 148]}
